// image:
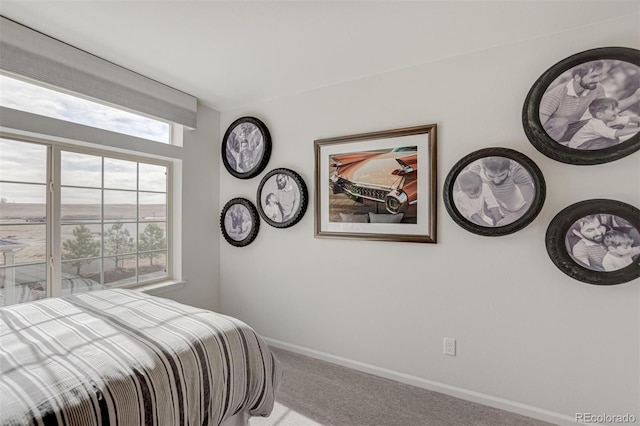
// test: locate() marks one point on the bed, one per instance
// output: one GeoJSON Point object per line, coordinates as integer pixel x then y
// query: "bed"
{"type": "Point", "coordinates": [122, 357]}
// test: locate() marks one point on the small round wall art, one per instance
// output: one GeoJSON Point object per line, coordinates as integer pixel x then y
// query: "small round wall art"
{"type": "Point", "coordinates": [246, 147]}
{"type": "Point", "coordinates": [282, 198]}
{"type": "Point", "coordinates": [239, 222]}
{"type": "Point", "coordinates": [494, 191]}
{"type": "Point", "coordinates": [596, 241]}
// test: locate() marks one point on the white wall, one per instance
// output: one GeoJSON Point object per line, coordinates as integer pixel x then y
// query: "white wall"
{"type": "Point", "coordinates": [529, 338]}
{"type": "Point", "coordinates": [200, 213]}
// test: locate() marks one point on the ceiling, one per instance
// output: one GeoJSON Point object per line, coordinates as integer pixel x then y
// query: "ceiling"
{"type": "Point", "coordinates": [233, 53]}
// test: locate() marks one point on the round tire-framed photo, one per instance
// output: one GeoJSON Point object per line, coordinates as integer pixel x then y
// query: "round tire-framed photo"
{"type": "Point", "coordinates": [494, 191]}
{"type": "Point", "coordinates": [239, 222]}
{"type": "Point", "coordinates": [246, 147]}
{"type": "Point", "coordinates": [282, 198]}
{"type": "Point", "coordinates": [586, 108]}
{"type": "Point", "coordinates": [596, 241]}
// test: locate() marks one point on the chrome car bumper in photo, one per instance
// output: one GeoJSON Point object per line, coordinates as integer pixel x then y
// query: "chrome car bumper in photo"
{"type": "Point", "coordinates": [394, 200]}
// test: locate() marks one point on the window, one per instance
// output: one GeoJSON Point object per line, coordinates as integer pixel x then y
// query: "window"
{"type": "Point", "coordinates": [104, 222]}
{"type": "Point", "coordinates": [28, 97]}
{"type": "Point", "coordinates": [23, 222]}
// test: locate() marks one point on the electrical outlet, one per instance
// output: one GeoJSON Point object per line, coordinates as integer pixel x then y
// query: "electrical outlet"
{"type": "Point", "coordinates": [449, 346]}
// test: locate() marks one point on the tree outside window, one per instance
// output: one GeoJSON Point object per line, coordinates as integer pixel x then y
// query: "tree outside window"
{"type": "Point", "coordinates": [80, 248]}
{"type": "Point", "coordinates": [118, 240]}
{"type": "Point", "coordinates": [152, 239]}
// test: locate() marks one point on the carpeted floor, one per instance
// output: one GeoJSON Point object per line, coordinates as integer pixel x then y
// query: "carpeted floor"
{"type": "Point", "coordinates": [315, 393]}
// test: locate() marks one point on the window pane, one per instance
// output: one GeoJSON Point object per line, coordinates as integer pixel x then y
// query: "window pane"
{"type": "Point", "coordinates": [153, 178]}
{"type": "Point", "coordinates": [119, 205]}
{"type": "Point", "coordinates": [22, 161]}
{"type": "Point", "coordinates": [153, 206]}
{"type": "Point", "coordinates": [23, 96]}
{"type": "Point", "coordinates": [30, 198]}
{"type": "Point", "coordinates": [120, 174]}
{"type": "Point", "coordinates": [119, 238]}
{"type": "Point", "coordinates": [80, 169]}
{"type": "Point", "coordinates": [119, 270]}
{"type": "Point", "coordinates": [21, 203]}
{"type": "Point", "coordinates": [75, 284]}
{"type": "Point", "coordinates": [152, 236]}
{"type": "Point", "coordinates": [22, 244]}
{"type": "Point", "coordinates": [80, 205]}
{"type": "Point", "coordinates": [152, 265]}
{"type": "Point", "coordinates": [23, 284]}
{"type": "Point", "coordinates": [80, 277]}
{"type": "Point", "coordinates": [81, 242]}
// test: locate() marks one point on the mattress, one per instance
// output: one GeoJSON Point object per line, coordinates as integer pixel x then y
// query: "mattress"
{"type": "Point", "coordinates": [122, 357]}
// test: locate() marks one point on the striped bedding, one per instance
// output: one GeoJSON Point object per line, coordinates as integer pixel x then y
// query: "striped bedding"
{"type": "Point", "coordinates": [122, 357]}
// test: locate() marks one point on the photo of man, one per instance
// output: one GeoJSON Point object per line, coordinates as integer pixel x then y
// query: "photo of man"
{"type": "Point", "coordinates": [568, 105]}
{"type": "Point", "coordinates": [603, 242]}
{"type": "Point", "coordinates": [493, 191]}
{"type": "Point", "coordinates": [280, 198]}
{"type": "Point", "coordinates": [245, 147]}
{"type": "Point", "coordinates": [238, 222]}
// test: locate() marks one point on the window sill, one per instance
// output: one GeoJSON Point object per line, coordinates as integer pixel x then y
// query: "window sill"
{"type": "Point", "coordinates": [162, 287]}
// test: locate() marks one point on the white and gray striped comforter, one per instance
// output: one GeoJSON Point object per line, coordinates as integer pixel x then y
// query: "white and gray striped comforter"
{"type": "Point", "coordinates": [121, 357]}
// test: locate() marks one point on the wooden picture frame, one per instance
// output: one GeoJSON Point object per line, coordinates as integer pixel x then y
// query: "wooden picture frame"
{"type": "Point", "coordinates": [282, 198]}
{"type": "Point", "coordinates": [239, 222]}
{"type": "Point", "coordinates": [494, 191]}
{"type": "Point", "coordinates": [246, 147]}
{"type": "Point", "coordinates": [377, 186]}
{"type": "Point", "coordinates": [596, 241]}
{"type": "Point", "coordinates": [570, 115]}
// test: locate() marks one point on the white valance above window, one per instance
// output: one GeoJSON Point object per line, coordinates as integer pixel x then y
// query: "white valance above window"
{"type": "Point", "coordinates": [28, 53]}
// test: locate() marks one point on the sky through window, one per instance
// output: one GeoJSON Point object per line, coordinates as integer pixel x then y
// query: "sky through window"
{"type": "Point", "coordinates": [23, 96]}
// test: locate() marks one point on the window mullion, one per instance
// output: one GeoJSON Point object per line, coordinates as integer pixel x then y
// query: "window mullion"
{"type": "Point", "coordinates": [55, 246]}
{"type": "Point", "coordinates": [102, 220]}
{"type": "Point", "coordinates": [138, 222]}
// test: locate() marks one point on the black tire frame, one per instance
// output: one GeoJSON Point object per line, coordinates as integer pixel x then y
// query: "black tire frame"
{"type": "Point", "coordinates": [562, 222]}
{"type": "Point", "coordinates": [524, 220]}
{"type": "Point", "coordinates": [255, 222]}
{"type": "Point", "coordinates": [304, 198]}
{"type": "Point", "coordinates": [531, 111]}
{"type": "Point", "coordinates": [266, 138]}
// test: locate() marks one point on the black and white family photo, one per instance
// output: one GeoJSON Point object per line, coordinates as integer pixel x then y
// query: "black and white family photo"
{"type": "Point", "coordinates": [237, 222]}
{"type": "Point", "coordinates": [493, 191]}
{"type": "Point", "coordinates": [244, 147]}
{"type": "Point", "coordinates": [603, 242]}
{"type": "Point", "coordinates": [593, 105]}
{"type": "Point", "coordinates": [280, 198]}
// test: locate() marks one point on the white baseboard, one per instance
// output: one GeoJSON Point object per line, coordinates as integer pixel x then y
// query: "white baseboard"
{"type": "Point", "coordinates": [469, 395]}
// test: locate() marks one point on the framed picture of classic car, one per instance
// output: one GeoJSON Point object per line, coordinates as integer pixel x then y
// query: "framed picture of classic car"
{"type": "Point", "coordinates": [596, 241]}
{"type": "Point", "coordinates": [282, 198]}
{"type": "Point", "coordinates": [585, 109]}
{"type": "Point", "coordinates": [239, 222]}
{"type": "Point", "coordinates": [494, 191]}
{"type": "Point", "coordinates": [377, 186]}
{"type": "Point", "coordinates": [246, 147]}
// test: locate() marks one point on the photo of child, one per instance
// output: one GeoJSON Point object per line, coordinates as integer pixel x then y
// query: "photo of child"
{"type": "Point", "coordinates": [572, 111]}
{"type": "Point", "coordinates": [237, 222]}
{"type": "Point", "coordinates": [475, 199]}
{"type": "Point", "coordinates": [279, 198]}
{"type": "Point", "coordinates": [620, 250]}
{"type": "Point", "coordinates": [603, 242]}
{"type": "Point", "coordinates": [606, 126]}
{"type": "Point", "coordinates": [493, 191]}
{"type": "Point", "coordinates": [272, 209]}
